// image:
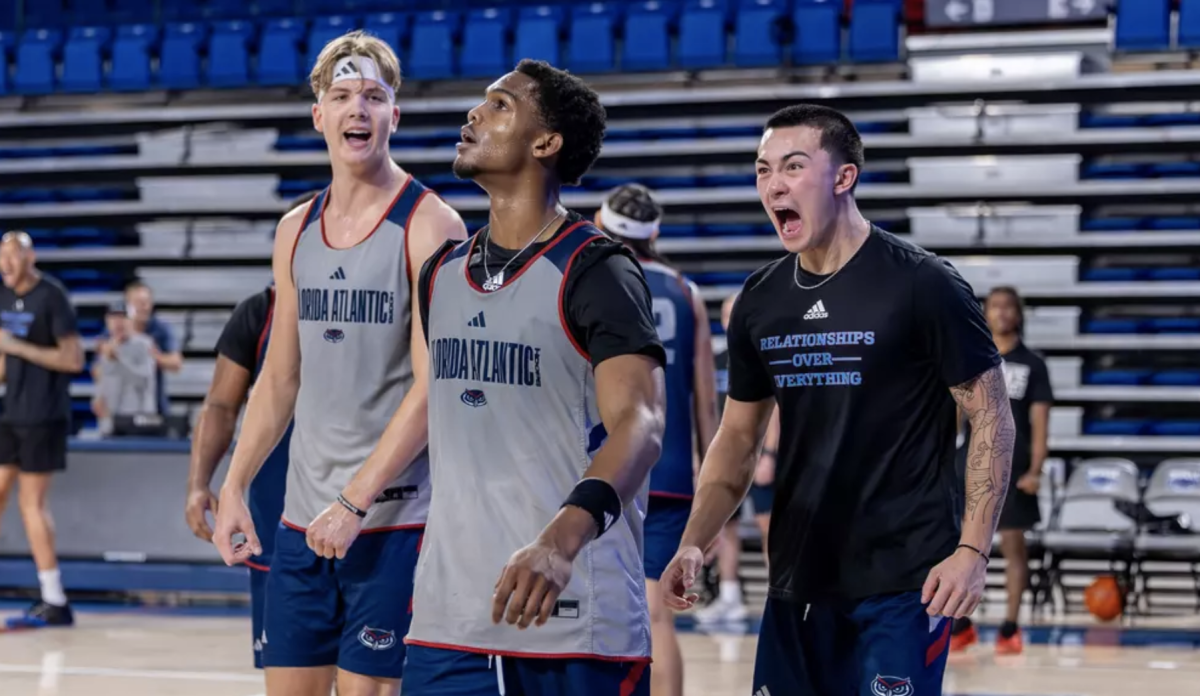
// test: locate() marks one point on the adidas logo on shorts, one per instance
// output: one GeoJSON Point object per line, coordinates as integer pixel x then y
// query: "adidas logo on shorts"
{"type": "Point", "coordinates": [817, 311]}
{"type": "Point", "coordinates": [763, 692]}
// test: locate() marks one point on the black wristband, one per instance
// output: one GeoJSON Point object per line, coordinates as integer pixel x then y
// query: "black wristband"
{"type": "Point", "coordinates": [351, 506]}
{"type": "Point", "coordinates": [968, 546]}
{"type": "Point", "coordinates": [600, 499]}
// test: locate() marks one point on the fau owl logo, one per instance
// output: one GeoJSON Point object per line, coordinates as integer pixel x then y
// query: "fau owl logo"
{"type": "Point", "coordinates": [334, 335]}
{"type": "Point", "coordinates": [474, 398]}
{"type": "Point", "coordinates": [376, 638]}
{"type": "Point", "coordinates": [891, 686]}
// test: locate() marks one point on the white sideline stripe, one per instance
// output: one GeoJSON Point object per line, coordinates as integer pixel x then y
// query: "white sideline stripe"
{"type": "Point", "coordinates": [134, 673]}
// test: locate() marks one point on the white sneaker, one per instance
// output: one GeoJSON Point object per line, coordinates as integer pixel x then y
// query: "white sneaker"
{"type": "Point", "coordinates": [721, 611]}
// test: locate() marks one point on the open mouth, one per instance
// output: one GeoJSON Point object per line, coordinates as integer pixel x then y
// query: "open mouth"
{"type": "Point", "coordinates": [788, 220]}
{"type": "Point", "coordinates": [357, 136]}
{"type": "Point", "coordinates": [467, 136]}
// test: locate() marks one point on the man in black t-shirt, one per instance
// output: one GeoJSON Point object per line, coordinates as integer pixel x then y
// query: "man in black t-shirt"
{"type": "Point", "coordinates": [41, 347]}
{"type": "Point", "coordinates": [1030, 393]}
{"type": "Point", "coordinates": [866, 343]}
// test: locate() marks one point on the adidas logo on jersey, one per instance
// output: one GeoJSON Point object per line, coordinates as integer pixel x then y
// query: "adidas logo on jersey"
{"type": "Point", "coordinates": [339, 274]}
{"type": "Point", "coordinates": [478, 322]}
{"type": "Point", "coordinates": [817, 311]}
{"type": "Point", "coordinates": [763, 692]}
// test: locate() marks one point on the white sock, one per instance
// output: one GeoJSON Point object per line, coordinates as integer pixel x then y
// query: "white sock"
{"type": "Point", "coordinates": [52, 589]}
{"type": "Point", "coordinates": [731, 592]}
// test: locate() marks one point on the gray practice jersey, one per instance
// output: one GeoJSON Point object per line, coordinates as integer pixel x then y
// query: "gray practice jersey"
{"type": "Point", "coordinates": [355, 365]}
{"type": "Point", "coordinates": [513, 426]}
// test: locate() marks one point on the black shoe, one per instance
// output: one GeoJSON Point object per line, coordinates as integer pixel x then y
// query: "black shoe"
{"type": "Point", "coordinates": [41, 615]}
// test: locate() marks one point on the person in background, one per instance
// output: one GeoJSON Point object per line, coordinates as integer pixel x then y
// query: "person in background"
{"type": "Point", "coordinates": [168, 357]}
{"type": "Point", "coordinates": [39, 339]}
{"type": "Point", "coordinates": [730, 606]}
{"type": "Point", "coordinates": [124, 371]}
{"type": "Point", "coordinates": [1031, 396]}
{"type": "Point", "coordinates": [630, 215]}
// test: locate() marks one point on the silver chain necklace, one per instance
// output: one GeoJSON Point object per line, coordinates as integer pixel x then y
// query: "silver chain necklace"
{"type": "Point", "coordinates": [492, 283]}
{"type": "Point", "coordinates": [796, 276]}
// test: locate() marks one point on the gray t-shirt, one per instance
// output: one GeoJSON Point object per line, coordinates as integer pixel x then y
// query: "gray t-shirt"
{"type": "Point", "coordinates": [128, 382]}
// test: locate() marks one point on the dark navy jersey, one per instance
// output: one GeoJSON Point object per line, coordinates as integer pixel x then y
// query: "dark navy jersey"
{"type": "Point", "coordinates": [244, 341]}
{"type": "Point", "coordinates": [671, 300]}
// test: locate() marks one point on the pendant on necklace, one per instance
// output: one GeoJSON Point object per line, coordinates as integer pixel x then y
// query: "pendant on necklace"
{"type": "Point", "coordinates": [494, 283]}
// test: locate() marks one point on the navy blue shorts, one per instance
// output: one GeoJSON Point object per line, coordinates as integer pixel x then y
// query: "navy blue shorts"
{"type": "Point", "coordinates": [666, 518]}
{"type": "Point", "coordinates": [879, 646]}
{"type": "Point", "coordinates": [353, 612]}
{"type": "Point", "coordinates": [761, 498]}
{"type": "Point", "coordinates": [258, 605]}
{"type": "Point", "coordinates": [440, 672]}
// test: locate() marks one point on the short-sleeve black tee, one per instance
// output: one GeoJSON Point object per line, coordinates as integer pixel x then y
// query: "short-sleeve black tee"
{"type": "Point", "coordinates": [861, 367]}
{"type": "Point", "coordinates": [243, 333]}
{"type": "Point", "coordinates": [606, 300]}
{"type": "Point", "coordinates": [33, 394]}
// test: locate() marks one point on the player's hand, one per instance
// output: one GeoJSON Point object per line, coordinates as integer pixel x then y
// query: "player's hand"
{"type": "Point", "coordinates": [530, 585]}
{"type": "Point", "coordinates": [955, 586]}
{"type": "Point", "coordinates": [679, 577]}
{"type": "Point", "coordinates": [233, 517]}
{"type": "Point", "coordinates": [1029, 483]}
{"type": "Point", "coordinates": [199, 502]}
{"type": "Point", "coordinates": [333, 531]}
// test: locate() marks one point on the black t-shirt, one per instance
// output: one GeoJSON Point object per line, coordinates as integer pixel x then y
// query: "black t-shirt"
{"type": "Point", "coordinates": [1028, 382]}
{"type": "Point", "coordinates": [861, 368]}
{"type": "Point", "coordinates": [43, 316]}
{"type": "Point", "coordinates": [606, 300]}
{"type": "Point", "coordinates": [721, 358]}
{"type": "Point", "coordinates": [243, 333]}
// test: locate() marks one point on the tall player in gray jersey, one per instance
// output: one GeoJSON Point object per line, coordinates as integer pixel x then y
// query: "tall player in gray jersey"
{"type": "Point", "coordinates": [546, 405]}
{"type": "Point", "coordinates": [346, 359]}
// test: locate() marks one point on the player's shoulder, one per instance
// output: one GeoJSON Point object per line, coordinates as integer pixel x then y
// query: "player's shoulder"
{"type": "Point", "coordinates": [293, 221]}
{"type": "Point", "coordinates": [54, 285]}
{"type": "Point", "coordinates": [900, 253]}
{"type": "Point", "coordinates": [765, 280]}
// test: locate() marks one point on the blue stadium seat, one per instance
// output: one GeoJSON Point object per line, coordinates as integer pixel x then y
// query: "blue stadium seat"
{"type": "Point", "coordinates": [132, 11]}
{"type": "Point", "coordinates": [875, 31]}
{"type": "Point", "coordinates": [818, 32]}
{"type": "Point", "coordinates": [36, 55]}
{"type": "Point", "coordinates": [756, 34]}
{"type": "Point", "coordinates": [184, 10]}
{"type": "Point", "coordinates": [1189, 24]}
{"type": "Point", "coordinates": [702, 34]}
{"type": "Point", "coordinates": [179, 64]}
{"type": "Point", "coordinates": [485, 43]}
{"type": "Point", "coordinates": [279, 53]}
{"type": "Point", "coordinates": [324, 30]}
{"type": "Point", "coordinates": [647, 44]}
{"type": "Point", "coordinates": [432, 56]}
{"type": "Point", "coordinates": [7, 40]}
{"type": "Point", "coordinates": [590, 46]}
{"type": "Point", "coordinates": [131, 57]}
{"type": "Point", "coordinates": [228, 9]}
{"type": "Point", "coordinates": [229, 54]}
{"type": "Point", "coordinates": [392, 28]}
{"type": "Point", "coordinates": [276, 8]}
{"type": "Point", "coordinates": [537, 34]}
{"type": "Point", "coordinates": [83, 59]}
{"type": "Point", "coordinates": [45, 14]}
{"type": "Point", "coordinates": [1143, 25]}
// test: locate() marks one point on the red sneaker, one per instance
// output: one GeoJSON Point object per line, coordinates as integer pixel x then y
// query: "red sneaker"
{"type": "Point", "coordinates": [962, 641]}
{"type": "Point", "coordinates": [1013, 645]}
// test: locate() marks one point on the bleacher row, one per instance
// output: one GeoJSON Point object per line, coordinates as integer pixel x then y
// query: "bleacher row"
{"type": "Point", "coordinates": [240, 44]}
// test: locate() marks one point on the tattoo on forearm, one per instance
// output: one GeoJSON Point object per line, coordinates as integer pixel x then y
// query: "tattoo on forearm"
{"type": "Point", "coordinates": [984, 401]}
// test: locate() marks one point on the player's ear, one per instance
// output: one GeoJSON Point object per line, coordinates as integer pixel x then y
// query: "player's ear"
{"type": "Point", "coordinates": [317, 118]}
{"type": "Point", "coordinates": [395, 117]}
{"type": "Point", "coordinates": [547, 145]}
{"type": "Point", "coordinates": [847, 176]}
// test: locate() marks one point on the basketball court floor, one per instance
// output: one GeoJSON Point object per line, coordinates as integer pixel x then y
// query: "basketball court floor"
{"type": "Point", "coordinates": [124, 651]}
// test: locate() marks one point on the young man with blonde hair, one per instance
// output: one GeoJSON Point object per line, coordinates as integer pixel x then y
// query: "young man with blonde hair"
{"type": "Point", "coordinates": [348, 363]}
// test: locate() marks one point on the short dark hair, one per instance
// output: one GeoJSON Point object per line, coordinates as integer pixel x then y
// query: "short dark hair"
{"type": "Point", "coordinates": [839, 137]}
{"type": "Point", "coordinates": [635, 202]}
{"type": "Point", "coordinates": [571, 108]}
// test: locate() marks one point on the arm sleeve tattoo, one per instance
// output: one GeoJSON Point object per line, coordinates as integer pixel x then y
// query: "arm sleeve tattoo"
{"type": "Point", "coordinates": [984, 402]}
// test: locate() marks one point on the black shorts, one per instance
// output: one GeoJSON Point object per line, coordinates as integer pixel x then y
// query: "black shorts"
{"type": "Point", "coordinates": [34, 449]}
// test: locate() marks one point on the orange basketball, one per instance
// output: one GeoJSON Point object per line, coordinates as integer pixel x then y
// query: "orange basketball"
{"type": "Point", "coordinates": [1104, 598]}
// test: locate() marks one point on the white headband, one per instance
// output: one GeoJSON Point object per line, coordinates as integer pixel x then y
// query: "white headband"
{"type": "Point", "coordinates": [626, 227]}
{"type": "Point", "coordinates": [358, 68]}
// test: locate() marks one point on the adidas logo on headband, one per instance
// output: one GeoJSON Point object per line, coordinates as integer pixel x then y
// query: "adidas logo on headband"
{"type": "Point", "coordinates": [359, 68]}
